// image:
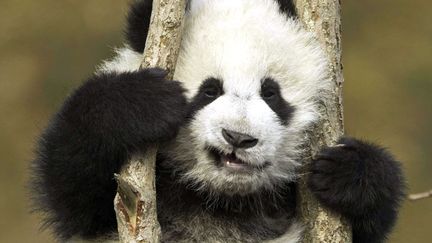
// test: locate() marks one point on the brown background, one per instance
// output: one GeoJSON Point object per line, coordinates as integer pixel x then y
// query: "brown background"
{"type": "Point", "coordinates": [47, 47]}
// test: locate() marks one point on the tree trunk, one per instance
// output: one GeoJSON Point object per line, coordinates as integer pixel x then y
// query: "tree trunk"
{"type": "Point", "coordinates": [323, 18]}
{"type": "Point", "coordinates": [135, 202]}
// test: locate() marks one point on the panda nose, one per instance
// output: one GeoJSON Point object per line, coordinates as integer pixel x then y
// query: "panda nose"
{"type": "Point", "coordinates": [239, 140]}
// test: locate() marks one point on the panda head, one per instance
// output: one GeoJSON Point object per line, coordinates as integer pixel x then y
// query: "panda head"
{"type": "Point", "coordinates": [253, 78]}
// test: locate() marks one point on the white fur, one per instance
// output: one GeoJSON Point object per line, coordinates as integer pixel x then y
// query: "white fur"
{"type": "Point", "coordinates": [126, 60]}
{"type": "Point", "coordinates": [293, 235]}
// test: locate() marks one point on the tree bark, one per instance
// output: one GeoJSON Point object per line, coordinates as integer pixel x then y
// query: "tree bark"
{"type": "Point", "coordinates": [323, 18]}
{"type": "Point", "coordinates": [135, 202]}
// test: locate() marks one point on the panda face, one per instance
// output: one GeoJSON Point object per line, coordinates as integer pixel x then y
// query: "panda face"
{"type": "Point", "coordinates": [236, 135]}
{"type": "Point", "coordinates": [239, 132]}
{"type": "Point", "coordinates": [253, 91]}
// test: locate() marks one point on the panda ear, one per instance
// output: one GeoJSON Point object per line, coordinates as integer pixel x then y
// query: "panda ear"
{"type": "Point", "coordinates": [138, 21]}
{"type": "Point", "coordinates": [288, 7]}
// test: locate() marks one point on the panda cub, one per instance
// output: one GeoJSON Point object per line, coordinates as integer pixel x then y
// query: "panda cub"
{"type": "Point", "coordinates": [231, 129]}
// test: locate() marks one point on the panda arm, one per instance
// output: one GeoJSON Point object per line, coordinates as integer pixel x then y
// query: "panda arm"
{"type": "Point", "coordinates": [363, 182]}
{"type": "Point", "coordinates": [99, 126]}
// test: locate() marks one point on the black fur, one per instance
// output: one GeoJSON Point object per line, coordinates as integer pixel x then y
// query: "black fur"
{"type": "Point", "coordinates": [363, 182]}
{"type": "Point", "coordinates": [138, 22]}
{"type": "Point", "coordinates": [106, 120]}
{"type": "Point", "coordinates": [209, 91]}
{"type": "Point", "coordinates": [243, 212]}
{"type": "Point", "coordinates": [288, 7]}
{"type": "Point", "coordinates": [270, 92]}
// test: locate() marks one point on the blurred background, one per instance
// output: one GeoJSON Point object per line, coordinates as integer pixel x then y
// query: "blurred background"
{"type": "Point", "coordinates": [48, 47]}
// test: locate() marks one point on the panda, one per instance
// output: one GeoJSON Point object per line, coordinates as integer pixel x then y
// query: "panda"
{"type": "Point", "coordinates": [231, 129]}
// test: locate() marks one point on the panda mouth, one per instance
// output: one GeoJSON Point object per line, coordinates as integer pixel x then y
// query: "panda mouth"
{"type": "Point", "coordinates": [232, 162]}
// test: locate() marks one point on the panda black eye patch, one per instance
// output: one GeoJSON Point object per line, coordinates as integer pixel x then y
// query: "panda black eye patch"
{"type": "Point", "coordinates": [210, 90]}
{"type": "Point", "coordinates": [271, 94]}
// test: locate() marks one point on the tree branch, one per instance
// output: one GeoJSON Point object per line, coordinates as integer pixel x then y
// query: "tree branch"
{"type": "Point", "coordinates": [323, 18]}
{"type": "Point", "coordinates": [135, 202]}
{"type": "Point", "coordinates": [418, 196]}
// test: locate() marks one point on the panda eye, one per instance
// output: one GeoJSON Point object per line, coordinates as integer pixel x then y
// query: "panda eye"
{"type": "Point", "coordinates": [269, 89]}
{"type": "Point", "coordinates": [212, 88]}
{"type": "Point", "coordinates": [268, 94]}
{"type": "Point", "coordinates": [212, 92]}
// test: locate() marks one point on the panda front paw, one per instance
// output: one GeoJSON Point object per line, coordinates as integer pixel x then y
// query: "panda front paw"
{"type": "Point", "coordinates": [361, 181]}
{"type": "Point", "coordinates": [127, 109]}
{"type": "Point", "coordinates": [336, 174]}
{"type": "Point", "coordinates": [162, 105]}
{"type": "Point", "coordinates": [355, 176]}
